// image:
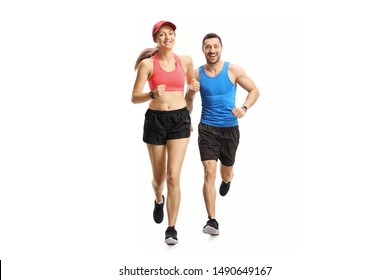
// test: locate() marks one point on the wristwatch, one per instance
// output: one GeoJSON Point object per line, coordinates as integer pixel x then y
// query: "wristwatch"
{"type": "Point", "coordinates": [244, 108]}
{"type": "Point", "coordinates": [151, 94]}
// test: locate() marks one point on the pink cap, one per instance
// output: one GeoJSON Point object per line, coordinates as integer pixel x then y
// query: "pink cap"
{"type": "Point", "coordinates": [157, 26]}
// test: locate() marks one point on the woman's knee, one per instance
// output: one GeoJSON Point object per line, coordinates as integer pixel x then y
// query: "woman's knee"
{"type": "Point", "coordinates": [158, 182]}
{"type": "Point", "coordinates": [173, 180]}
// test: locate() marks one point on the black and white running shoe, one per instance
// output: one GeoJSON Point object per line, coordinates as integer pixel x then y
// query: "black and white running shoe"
{"type": "Point", "coordinates": [171, 236]}
{"type": "Point", "coordinates": [211, 227]}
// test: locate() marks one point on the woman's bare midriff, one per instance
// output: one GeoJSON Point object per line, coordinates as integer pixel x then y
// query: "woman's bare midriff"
{"type": "Point", "coordinates": [169, 102]}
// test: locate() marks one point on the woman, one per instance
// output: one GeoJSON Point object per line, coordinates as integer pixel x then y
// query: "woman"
{"type": "Point", "coordinates": [167, 120]}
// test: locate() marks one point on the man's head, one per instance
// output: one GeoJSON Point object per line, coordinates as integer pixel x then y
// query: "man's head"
{"type": "Point", "coordinates": [212, 48]}
{"type": "Point", "coordinates": [210, 36]}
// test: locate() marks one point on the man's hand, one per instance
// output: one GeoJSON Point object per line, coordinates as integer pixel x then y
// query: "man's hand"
{"type": "Point", "coordinates": [238, 112]}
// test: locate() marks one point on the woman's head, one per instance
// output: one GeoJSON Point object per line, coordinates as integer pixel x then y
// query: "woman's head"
{"type": "Point", "coordinates": [164, 30]}
{"type": "Point", "coordinates": [156, 28]}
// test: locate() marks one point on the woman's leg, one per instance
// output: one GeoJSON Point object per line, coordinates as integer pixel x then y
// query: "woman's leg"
{"type": "Point", "coordinates": [176, 152]}
{"type": "Point", "coordinates": [157, 155]}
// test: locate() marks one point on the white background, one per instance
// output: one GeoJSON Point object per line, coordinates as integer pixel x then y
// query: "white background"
{"type": "Point", "coordinates": [309, 195]}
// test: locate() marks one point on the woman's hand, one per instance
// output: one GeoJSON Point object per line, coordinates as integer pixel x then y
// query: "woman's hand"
{"type": "Point", "coordinates": [159, 91]}
{"type": "Point", "coordinates": [194, 85]}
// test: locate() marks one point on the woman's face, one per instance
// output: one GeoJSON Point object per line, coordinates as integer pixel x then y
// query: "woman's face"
{"type": "Point", "coordinates": [165, 37]}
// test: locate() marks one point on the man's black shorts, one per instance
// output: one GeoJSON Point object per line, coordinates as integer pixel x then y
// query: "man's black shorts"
{"type": "Point", "coordinates": [218, 143]}
{"type": "Point", "coordinates": [160, 126]}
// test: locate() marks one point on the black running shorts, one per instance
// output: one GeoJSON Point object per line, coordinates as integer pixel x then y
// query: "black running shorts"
{"type": "Point", "coordinates": [218, 143]}
{"type": "Point", "coordinates": [160, 126]}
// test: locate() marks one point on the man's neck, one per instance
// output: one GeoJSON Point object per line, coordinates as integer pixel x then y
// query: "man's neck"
{"type": "Point", "coordinates": [214, 67]}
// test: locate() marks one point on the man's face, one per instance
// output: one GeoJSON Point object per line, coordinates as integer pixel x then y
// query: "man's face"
{"type": "Point", "coordinates": [212, 50]}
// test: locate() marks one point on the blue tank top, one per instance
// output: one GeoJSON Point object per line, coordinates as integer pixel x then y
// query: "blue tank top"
{"type": "Point", "coordinates": [218, 98]}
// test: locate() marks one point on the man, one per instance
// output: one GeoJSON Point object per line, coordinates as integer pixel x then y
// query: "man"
{"type": "Point", "coordinates": [219, 134]}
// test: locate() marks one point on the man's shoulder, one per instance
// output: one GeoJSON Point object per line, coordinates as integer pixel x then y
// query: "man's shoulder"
{"type": "Point", "coordinates": [232, 65]}
{"type": "Point", "coordinates": [235, 68]}
{"type": "Point", "coordinates": [196, 72]}
{"type": "Point", "coordinates": [200, 67]}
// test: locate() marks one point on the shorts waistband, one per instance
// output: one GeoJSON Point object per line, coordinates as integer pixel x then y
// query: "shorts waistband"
{"type": "Point", "coordinates": [207, 126]}
{"type": "Point", "coordinates": [167, 112]}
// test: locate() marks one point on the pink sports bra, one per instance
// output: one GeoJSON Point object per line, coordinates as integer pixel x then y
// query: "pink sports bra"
{"type": "Point", "coordinates": [173, 80]}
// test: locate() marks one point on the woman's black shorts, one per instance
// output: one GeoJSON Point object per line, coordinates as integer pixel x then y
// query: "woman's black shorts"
{"type": "Point", "coordinates": [160, 126]}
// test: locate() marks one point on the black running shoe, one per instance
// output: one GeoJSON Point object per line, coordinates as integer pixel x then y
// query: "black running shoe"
{"type": "Point", "coordinates": [224, 188]}
{"type": "Point", "coordinates": [211, 227]}
{"type": "Point", "coordinates": [158, 211]}
{"type": "Point", "coordinates": [171, 236]}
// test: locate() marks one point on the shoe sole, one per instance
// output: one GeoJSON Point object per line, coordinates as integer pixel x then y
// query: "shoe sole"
{"type": "Point", "coordinates": [171, 241]}
{"type": "Point", "coordinates": [210, 230]}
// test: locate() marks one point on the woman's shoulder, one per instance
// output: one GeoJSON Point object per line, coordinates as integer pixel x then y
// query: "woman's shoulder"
{"type": "Point", "coordinates": [146, 63]}
{"type": "Point", "coordinates": [185, 58]}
